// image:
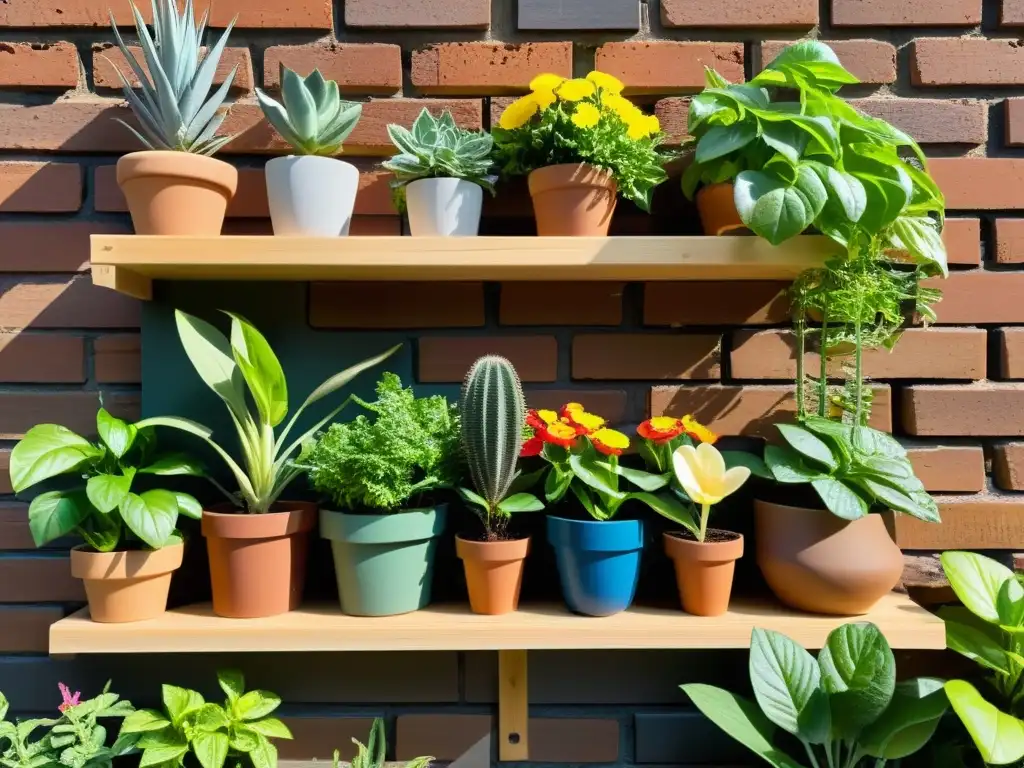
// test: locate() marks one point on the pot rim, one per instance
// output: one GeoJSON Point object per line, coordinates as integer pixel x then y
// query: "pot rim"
{"type": "Point", "coordinates": [403, 527]}
{"type": "Point", "coordinates": [506, 550]}
{"type": "Point", "coordinates": [173, 164]}
{"type": "Point", "coordinates": [295, 158]}
{"type": "Point", "coordinates": [125, 564]}
{"type": "Point", "coordinates": [678, 547]}
{"type": "Point", "coordinates": [299, 518]}
{"type": "Point", "coordinates": [549, 178]}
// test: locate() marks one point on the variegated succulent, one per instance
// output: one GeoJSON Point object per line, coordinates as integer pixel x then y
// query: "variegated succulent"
{"type": "Point", "coordinates": [173, 103]}
{"type": "Point", "coordinates": [438, 148]}
{"type": "Point", "coordinates": [311, 116]}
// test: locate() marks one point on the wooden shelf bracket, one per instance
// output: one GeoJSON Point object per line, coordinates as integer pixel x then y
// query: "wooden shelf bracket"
{"type": "Point", "coordinates": [513, 707]}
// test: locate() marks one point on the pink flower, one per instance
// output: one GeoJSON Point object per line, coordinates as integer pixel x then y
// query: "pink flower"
{"type": "Point", "coordinates": [70, 700]}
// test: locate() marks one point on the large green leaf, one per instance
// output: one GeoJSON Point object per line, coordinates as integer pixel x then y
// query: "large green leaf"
{"type": "Point", "coordinates": [890, 494]}
{"type": "Point", "coordinates": [232, 682]}
{"type": "Point", "coordinates": [671, 508]}
{"type": "Point", "coordinates": [977, 644]}
{"type": "Point", "coordinates": [807, 443]}
{"type": "Point", "coordinates": [48, 450]}
{"type": "Point", "coordinates": [920, 237]}
{"type": "Point", "coordinates": [720, 140]}
{"type": "Point", "coordinates": [211, 749]}
{"type": "Point", "coordinates": [188, 505]}
{"type": "Point", "coordinates": [210, 353]}
{"type": "Point", "coordinates": [1010, 604]}
{"type": "Point", "coordinates": [162, 755]}
{"type": "Point", "coordinates": [786, 465]}
{"type": "Point", "coordinates": [786, 138]}
{"type": "Point", "coordinates": [755, 464]}
{"type": "Point", "coordinates": [521, 502]}
{"type": "Point", "coordinates": [261, 370]}
{"type": "Point", "coordinates": [588, 469]}
{"type": "Point", "coordinates": [776, 210]}
{"type": "Point", "coordinates": [116, 434]}
{"type": "Point", "coordinates": [152, 516]}
{"type": "Point", "coordinates": [256, 704]}
{"type": "Point", "coordinates": [859, 672]}
{"type": "Point", "coordinates": [271, 727]}
{"type": "Point", "coordinates": [998, 736]}
{"type": "Point", "coordinates": [839, 499]}
{"type": "Point", "coordinates": [976, 579]}
{"type": "Point", "coordinates": [803, 52]}
{"type": "Point", "coordinates": [106, 492]}
{"type": "Point", "coordinates": [180, 701]}
{"type": "Point", "coordinates": [787, 685]}
{"type": "Point", "coordinates": [647, 481]}
{"type": "Point", "coordinates": [909, 721]}
{"type": "Point", "coordinates": [55, 514]}
{"type": "Point", "coordinates": [174, 464]}
{"type": "Point", "coordinates": [143, 720]}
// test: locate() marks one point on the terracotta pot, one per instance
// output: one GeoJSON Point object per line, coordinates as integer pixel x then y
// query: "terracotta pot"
{"type": "Point", "coordinates": [717, 209]}
{"type": "Point", "coordinates": [126, 586]}
{"type": "Point", "coordinates": [817, 562]}
{"type": "Point", "coordinates": [572, 200]}
{"type": "Point", "coordinates": [258, 562]}
{"type": "Point", "coordinates": [704, 572]}
{"type": "Point", "coordinates": [176, 193]}
{"type": "Point", "coordinates": [494, 573]}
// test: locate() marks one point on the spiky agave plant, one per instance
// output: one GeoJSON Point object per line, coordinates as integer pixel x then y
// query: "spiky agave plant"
{"type": "Point", "coordinates": [171, 104]}
{"type": "Point", "coordinates": [312, 118]}
{"type": "Point", "coordinates": [493, 411]}
{"type": "Point", "coordinates": [373, 754]}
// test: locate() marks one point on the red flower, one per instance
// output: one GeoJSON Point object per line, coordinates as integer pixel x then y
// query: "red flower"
{"type": "Point", "coordinates": [660, 429]}
{"type": "Point", "coordinates": [540, 419]}
{"type": "Point", "coordinates": [532, 447]}
{"type": "Point", "coordinates": [558, 434]}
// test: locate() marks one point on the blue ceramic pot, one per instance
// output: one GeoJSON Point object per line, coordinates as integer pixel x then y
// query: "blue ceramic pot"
{"type": "Point", "coordinates": [598, 562]}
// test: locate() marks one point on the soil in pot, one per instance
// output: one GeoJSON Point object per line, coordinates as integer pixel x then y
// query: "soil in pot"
{"type": "Point", "coordinates": [704, 570]}
{"type": "Point", "coordinates": [258, 562]}
{"type": "Point", "coordinates": [311, 196]}
{"type": "Point", "coordinates": [126, 586]}
{"type": "Point", "coordinates": [572, 200]}
{"type": "Point", "coordinates": [176, 193]}
{"type": "Point", "coordinates": [717, 209]}
{"type": "Point", "coordinates": [817, 562]}
{"type": "Point", "coordinates": [494, 572]}
{"type": "Point", "coordinates": [444, 207]}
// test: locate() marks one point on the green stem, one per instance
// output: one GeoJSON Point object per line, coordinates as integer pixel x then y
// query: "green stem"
{"type": "Point", "coordinates": [880, 762]}
{"type": "Point", "coordinates": [705, 513]}
{"type": "Point", "coordinates": [800, 330]}
{"type": "Point", "coordinates": [823, 372]}
{"type": "Point", "coordinates": [810, 754]}
{"type": "Point", "coordinates": [858, 373]}
{"type": "Point", "coordinates": [830, 756]}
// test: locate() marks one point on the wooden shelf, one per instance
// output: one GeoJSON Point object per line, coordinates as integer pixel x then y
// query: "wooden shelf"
{"type": "Point", "coordinates": [454, 628]}
{"type": "Point", "coordinates": [129, 263]}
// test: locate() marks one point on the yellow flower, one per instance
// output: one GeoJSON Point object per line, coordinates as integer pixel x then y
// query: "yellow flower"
{"type": "Point", "coordinates": [519, 112]}
{"type": "Point", "coordinates": [664, 423]}
{"type": "Point", "coordinates": [653, 124]}
{"type": "Point", "coordinates": [546, 82]}
{"type": "Point", "coordinates": [702, 474]}
{"type": "Point", "coordinates": [575, 90]}
{"type": "Point", "coordinates": [549, 417]}
{"type": "Point", "coordinates": [698, 431]}
{"type": "Point", "coordinates": [610, 442]}
{"type": "Point", "coordinates": [637, 129]}
{"type": "Point", "coordinates": [586, 115]}
{"type": "Point", "coordinates": [606, 82]}
{"type": "Point", "coordinates": [544, 98]}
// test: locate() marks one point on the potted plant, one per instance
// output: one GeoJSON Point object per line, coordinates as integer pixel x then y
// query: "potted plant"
{"type": "Point", "coordinates": [175, 187]}
{"type": "Point", "coordinates": [311, 193]}
{"type": "Point", "coordinates": [132, 545]}
{"type": "Point", "coordinates": [382, 475]}
{"type": "Point", "coordinates": [581, 143]}
{"type": "Point", "coordinates": [257, 543]}
{"type": "Point", "coordinates": [373, 754]}
{"type": "Point", "coordinates": [704, 559]}
{"type": "Point", "coordinates": [843, 709]}
{"type": "Point", "coordinates": [492, 410]}
{"type": "Point", "coordinates": [440, 174]}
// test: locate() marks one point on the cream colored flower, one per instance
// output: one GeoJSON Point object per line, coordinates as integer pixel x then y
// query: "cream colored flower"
{"type": "Point", "coordinates": [702, 474]}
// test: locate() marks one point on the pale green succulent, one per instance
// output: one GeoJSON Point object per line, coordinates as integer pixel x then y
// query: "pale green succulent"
{"type": "Point", "coordinates": [312, 117]}
{"type": "Point", "coordinates": [438, 148]}
{"type": "Point", "coordinates": [171, 104]}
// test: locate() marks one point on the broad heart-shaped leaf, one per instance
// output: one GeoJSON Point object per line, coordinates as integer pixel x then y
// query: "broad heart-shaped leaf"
{"type": "Point", "coordinates": [839, 499]}
{"type": "Point", "coordinates": [116, 434]}
{"type": "Point", "coordinates": [55, 514]}
{"type": "Point", "coordinates": [143, 720]}
{"type": "Point", "coordinates": [588, 469]}
{"type": "Point", "coordinates": [521, 502]}
{"type": "Point", "coordinates": [210, 353]}
{"type": "Point", "coordinates": [909, 721]}
{"type": "Point", "coordinates": [785, 137]}
{"type": "Point", "coordinates": [775, 210]}
{"type": "Point", "coordinates": [787, 685]}
{"type": "Point", "coordinates": [803, 52]}
{"type": "Point", "coordinates": [261, 370]}
{"type": "Point", "coordinates": [180, 701]}
{"type": "Point", "coordinates": [151, 516]}
{"type": "Point", "coordinates": [740, 719]}
{"type": "Point", "coordinates": [976, 579]}
{"type": "Point", "coordinates": [256, 704]}
{"type": "Point", "coordinates": [232, 682]}
{"type": "Point", "coordinates": [977, 640]}
{"type": "Point", "coordinates": [859, 672]}
{"type": "Point", "coordinates": [1010, 604]}
{"type": "Point", "coordinates": [720, 140]}
{"type": "Point", "coordinates": [271, 727]}
{"type": "Point", "coordinates": [998, 736]}
{"type": "Point", "coordinates": [174, 464]}
{"type": "Point", "coordinates": [161, 755]}
{"type": "Point", "coordinates": [48, 450]}
{"type": "Point", "coordinates": [211, 749]}
{"type": "Point", "coordinates": [920, 237]}
{"type": "Point", "coordinates": [786, 465]}
{"type": "Point", "coordinates": [810, 445]}
{"type": "Point", "coordinates": [106, 492]}
{"type": "Point", "coordinates": [846, 195]}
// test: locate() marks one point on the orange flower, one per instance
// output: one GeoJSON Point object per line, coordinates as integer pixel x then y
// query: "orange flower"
{"type": "Point", "coordinates": [532, 447]}
{"type": "Point", "coordinates": [610, 442]}
{"type": "Point", "coordinates": [698, 431]}
{"type": "Point", "coordinates": [559, 433]}
{"type": "Point", "coordinates": [540, 419]}
{"type": "Point", "coordinates": [584, 422]}
{"type": "Point", "coordinates": [660, 429]}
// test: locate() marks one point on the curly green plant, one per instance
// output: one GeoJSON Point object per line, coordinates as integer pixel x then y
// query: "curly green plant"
{"type": "Point", "coordinates": [373, 754]}
{"type": "Point", "coordinates": [409, 448]}
{"type": "Point", "coordinates": [312, 117]}
{"type": "Point", "coordinates": [438, 148]}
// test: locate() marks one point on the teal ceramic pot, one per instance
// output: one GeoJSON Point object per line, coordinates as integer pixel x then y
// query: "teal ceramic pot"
{"type": "Point", "coordinates": [384, 563]}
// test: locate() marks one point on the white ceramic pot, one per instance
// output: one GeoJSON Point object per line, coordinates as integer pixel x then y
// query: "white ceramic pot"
{"type": "Point", "coordinates": [444, 207]}
{"type": "Point", "coordinates": [311, 196]}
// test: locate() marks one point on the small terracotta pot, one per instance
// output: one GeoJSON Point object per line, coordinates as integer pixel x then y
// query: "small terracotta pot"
{"type": "Point", "coordinates": [817, 562]}
{"type": "Point", "coordinates": [494, 573]}
{"type": "Point", "coordinates": [176, 193]}
{"type": "Point", "coordinates": [126, 586]}
{"type": "Point", "coordinates": [704, 571]}
{"type": "Point", "coordinates": [717, 209]}
{"type": "Point", "coordinates": [572, 200]}
{"type": "Point", "coordinates": [258, 562]}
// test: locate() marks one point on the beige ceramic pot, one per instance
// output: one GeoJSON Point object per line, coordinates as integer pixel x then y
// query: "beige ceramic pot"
{"type": "Point", "coordinates": [704, 571]}
{"type": "Point", "coordinates": [817, 562]}
{"type": "Point", "coordinates": [126, 586]}
{"type": "Point", "coordinates": [494, 573]}
{"type": "Point", "coordinates": [176, 193]}
{"type": "Point", "coordinates": [572, 200]}
{"type": "Point", "coordinates": [717, 209]}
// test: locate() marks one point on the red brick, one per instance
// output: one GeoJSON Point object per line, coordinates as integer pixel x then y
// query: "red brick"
{"type": "Point", "coordinates": [297, 14]}
{"type": "Point", "coordinates": [396, 305]}
{"type": "Point", "coordinates": [949, 468]}
{"type": "Point", "coordinates": [316, 738]}
{"type": "Point", "coordinates": [21, 411]}
{"type": "Point", "coordinates": [5, 473]}
{"type": "Point", "coordinates": [487, 68]}
{"type": "Point", "coordinates": [739, 13]}
{"type": "Point", "coordinates": [41, 358]}
{"type": "Point", "coordinates": [427, 14]}
{"type": "Point", "coordinates": [933, 353]}
{"type": "Point", "coordinates": [64, 303]}
{"type": "Point", "coordinates": [1008, 466]}
{"type": "Point", "coordinates": [34, 579]}
{"type": "Point", "coordinates": [709, 303]}
{"type": "Point", "coordinates": [1011, 353]}
{"type": "Point", "coordinates": [871, 61]}
{"type": "Point", "coordinates": [108, 60]}
{"type": "Point", "coordinates": [1012, 13]}
{"type": "Point", "coordinates": [38, 65]}
{"type": "Point", "coordinates": [933, 121]}
{"type": "Point", "coordinates": [746, 410]}
{"type": "Point", "coordinates": [358, 68]}
{"type": "Point", "coordinates": [66, 126]}
{"type": "Point", "coordinates": [445, 737]}
{"type": "Point", "coordinates": [980, 183]}
{"type": "Point", "coordinates": [624, 357]}
{"type": "Point", "coordinates": [447, 358]}
{"type": "Point", "coordinates": [982, 521]}
{"type": "Point", "coordinates": [984, 409]}
{"type": "Point", "coordinates": [27, 629]}
{"type": "Point", "coordinates": [1009, 241]}
{"type": "Point", "coordinates": [962, 237]}
{"type": "Point", "coordinates": [118, 359]}
{"type": "Point", "coordinates": [52, 246]}
{"type": "Point", "coordinates": [906, 13]}
{"type": "Point", "coordinates": [612, 404]}
{"type": "Point", "coordinates": [1014, 111]}
{"type": "Point", "coordinates": [526, 303]}
{"type": "Point", "coordinates": [669, 67]}
{"type": "Point", "coordinates": [966, 61]}
{"type": "Point", "coordinates": [40, 187]}
{"type": "Point", "coordinates": [980, 296]}
{"type": "Point", "coordinates": [673, 114]}
{"type": "Point", "coordinates": [14, 529]}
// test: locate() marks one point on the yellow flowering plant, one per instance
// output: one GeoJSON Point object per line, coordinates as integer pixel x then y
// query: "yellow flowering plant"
{"type": "Point", "coordinates": [582, 120]}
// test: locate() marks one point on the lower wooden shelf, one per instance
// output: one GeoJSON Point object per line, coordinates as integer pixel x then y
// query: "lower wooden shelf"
{"type": "Point", "coordinates": [453, 628]}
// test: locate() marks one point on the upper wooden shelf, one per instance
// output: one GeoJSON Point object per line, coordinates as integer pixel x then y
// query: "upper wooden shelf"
{"type": "Point", "coordinates": [129, 263]}
{"type": "Point", "coordinates": [454, 628]}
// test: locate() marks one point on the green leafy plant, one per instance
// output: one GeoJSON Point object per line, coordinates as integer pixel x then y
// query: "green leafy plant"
{"type": "Point", "coordinates": [410, 448]}
{"type": "Point", "coordinates": [312, 118]}
{"type": "Point", "coordinates": [175, 78]}
{"type": "Point", "coordinates": [239, 729]}
{"type": "Point", "coordinates": [844, 707]}
{"type": "Point", "coordinates": [373, 754]}
{"type": "Point", "coordinates": [988, 629]}
{"type": "Point", "coordinates": [492, 408]}
{"type": "Point", "coordinates": [247, 362]}
{"type": "Point", "coordinates": [103, 510]}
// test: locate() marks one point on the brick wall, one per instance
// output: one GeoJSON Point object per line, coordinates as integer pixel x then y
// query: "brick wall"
{"type": "Point", "coordinates": [951, 72]}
